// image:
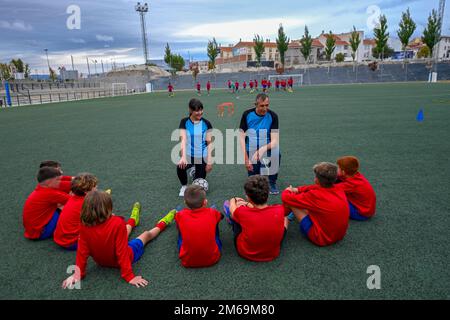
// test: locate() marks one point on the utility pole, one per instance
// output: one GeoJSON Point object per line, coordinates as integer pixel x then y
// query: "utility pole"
{"type": "Point", "coordinates": [89, 70]}
{"type": "Point", "coordinates": [48, 63]}
{"type": "Point", "coordinates": [143, 9]}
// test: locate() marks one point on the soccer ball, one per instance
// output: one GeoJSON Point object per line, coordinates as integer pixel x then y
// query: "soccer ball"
{"type": "Point", "coordinates": [202, 183]}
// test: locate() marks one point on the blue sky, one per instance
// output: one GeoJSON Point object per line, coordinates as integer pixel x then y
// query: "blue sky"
{"type": "Point", "coordinates": [110, 29]}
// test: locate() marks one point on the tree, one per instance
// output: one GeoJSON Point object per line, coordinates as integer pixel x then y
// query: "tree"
{"type": "Point", "coordinates": [355, 41]}
{"type": "Point", "coordinates": [259, 48]}
{"type": "Point", "coordinates": [213, 52]}
{"type": "Point", "coordinates": [18, 64]}
{"type": "Point", "coordinates": [381, 37]}
{"type": "Point", "coordinates": [53, 75]}
{"type": "Point", "coordinates": [306, 43]}
{"type": "Point", "coordinates": [340, 57]}
{"type": "Point", "coordinates": [424, 52]}
{"type": "Point", "coordinates": [431, 33]}
{"type": "Point", "coordinates": [330, 45]}
{"type": "Point", "coordinates": [5, 72]}
{"type": "Point", "coordinates": [407, 26]}
{"type": "Point", "coordinates": [282, 43]}
{"type": "Point", "coordinates": [167, 54]}
{"type": "Point", "coordinates": [388, 52]}
{"type": "Point", "coordinates": [177, 62]}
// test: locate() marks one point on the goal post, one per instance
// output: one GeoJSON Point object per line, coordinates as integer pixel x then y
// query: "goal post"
{"type": "Point", "coordinates": [298, 78]}
{"type": "Point", "coordinates": [119, 89]}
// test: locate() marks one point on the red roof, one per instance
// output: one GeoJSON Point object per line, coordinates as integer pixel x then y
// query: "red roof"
{"type": "Point", "coordinates": [226, 48]}
{"type": "Point", "coordinates": [369, 42]}
{"type": "Point", "coordinates": [243, 44]}
{"type": "Point", "coordinates": [297, 44]}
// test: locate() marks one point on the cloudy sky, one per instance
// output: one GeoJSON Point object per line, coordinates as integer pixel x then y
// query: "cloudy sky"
{"type": "Point", "coordinates": [109, 30]}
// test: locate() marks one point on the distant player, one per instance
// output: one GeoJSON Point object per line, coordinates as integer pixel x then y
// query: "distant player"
{"type": "Point", "coordinates": [283, 84]}
{"type": "Point", "coordinates": [208, 87]}
{"type": "Point", "coordinates": [264, 85]}
{"type": "Point", "coordinates": [229, 85]}
{"type": "Point", "coordinates": [290, 84]}
{"type": "Point", "coordinates": [277, 85]}
{"type": "Point", "coordinates": [252, 84]}
{"type": "Point", "coordinates": [236, 86]}
{"type": "Point", "coordinates": [199, 87]}
{"type": "Point", "coordinates": [244, 86]}
{"type": "Point", "coordinates": [256, 85]}
{"type": "Point", "coordinates": [170, 89]}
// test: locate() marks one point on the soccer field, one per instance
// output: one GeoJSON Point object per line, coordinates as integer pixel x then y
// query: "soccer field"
{"type": "Point", "coordinates": [125, 142]}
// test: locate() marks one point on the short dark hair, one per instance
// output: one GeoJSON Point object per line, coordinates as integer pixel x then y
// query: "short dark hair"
{"type": "Point", "coordinates": [257, 189]}
{"type": "Point", "coordinates": [46, 173]}
{"type": "Point", "coordinates": [326, 173]}
{"type": "Point", "coordinates": [97, 208]}
{"type": "Point", "coordinates": [261, 96]}
{"type": "Point", "coordinates": [50, 163]}
{"type": "Point", "coordinates": [194, 196]}
{"type": "Point", "coordinates": [83, 183]}
{"type": "Point", "coordinates": [195, 105]}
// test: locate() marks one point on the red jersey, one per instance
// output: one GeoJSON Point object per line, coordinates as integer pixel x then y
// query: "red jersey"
{"type": "Point", "coordinates": [256, 83]}
{"type": "Point", "coordinates": [283, 83]}
{"type": "Point", "coordinates": [68, 227]}
{"type": "Point", "coordinates": [170, 87]}
{"type": "Point", "coordinates": [66, 184]}
{"type": "Point", "coordinates": [208, 86]}
{"type": "Point", "coordinates": [269, 83]}
{"type": "Point", "coordinates": [328, 209]}
{"type": "Point", "coordinates": [264, 83]}
{"type": "Point", "coordinates": [360, 193]}
{"type": "Point", "coordinates": [107, 244]}
{"type": "Point", "coordinates": [262, 232]}
{"type": "Point", "coordinates": [39, 208]}
{"type": "Point", "coordinates": [229, 84]}
{"type": "Point", "coordinates": [251, 84]}
{"type": "Point", "coordinates": [198, 232]}
{"type": "Point", "coordinates": [236, 85]}
{"type": "Point", "coordinates": [244, 85]}
{"type": "Point", "coordinates": [290, 82]}
{"type": "Point", "coordinates": [277, 83]}
{"type": "Point", "coordinates": [198, 86]}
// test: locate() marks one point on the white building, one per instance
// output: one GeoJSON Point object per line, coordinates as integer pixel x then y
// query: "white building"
{"type": "Point", "coordinates": [343, 45]}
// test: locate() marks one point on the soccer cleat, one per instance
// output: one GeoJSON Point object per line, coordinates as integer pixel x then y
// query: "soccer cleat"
{"type": "Point", "coordinates": [168, 218]}
{"type": "Point", "coordinates": [182, 190]}
{"type": "Point", "coordinates": [108, 191]}
{"type": "Point", "coordinates": [274, 189]}
{"type": "Point", "coordinates": [226, 211]}
{"type": "Point", "coordinates": [135, 213]}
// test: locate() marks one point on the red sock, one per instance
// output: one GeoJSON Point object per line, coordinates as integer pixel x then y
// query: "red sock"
{"type": "Point", "coordinates": [161, 225]}
{"type": "Point", "coordinates": [131, 222]}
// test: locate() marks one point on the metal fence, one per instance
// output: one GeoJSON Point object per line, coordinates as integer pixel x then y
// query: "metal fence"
{"type": "Point", "coordinates": [23, 98]}
{"type": "Point", "coordinates": [24, 86]}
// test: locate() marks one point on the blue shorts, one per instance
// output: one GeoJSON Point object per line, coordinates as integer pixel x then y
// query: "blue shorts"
{"type": "Point", "coordinates": [305, 225]}
{"type": "Point", "coordinates": [72, 247]}
{"type": "Point", "coordinates": [354, 213]}
{"type": "Point", "coordinates": [49, 229]}
{"type": "Point", "coordinates": [138, 249]}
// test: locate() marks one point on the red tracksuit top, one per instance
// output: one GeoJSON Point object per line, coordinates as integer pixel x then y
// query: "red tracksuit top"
{"type": "Point", "coordinates": [39, 208]}
{"type": "Point", "coordinates": [68, 228]}
{"type": "Point", "coordinates": [328, 209]}
{"type": "Point", "coordinates": [107, 244]}
{"type": "Point", "coordinates": [198, 234]}
{"type": "Point", "coordinates": [360, 193]}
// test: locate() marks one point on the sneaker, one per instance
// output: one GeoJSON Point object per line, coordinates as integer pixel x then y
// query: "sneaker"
{"type": "Point", "coordinates": [291, 216]}
{"type": "Point", "coordinates": [182, 190]}
{"type": "Point", "coordinates": [108, 191]}
{"type": "Point", "coordinates": [274, 189]}
{"type": "Point", "coordinates": [135, 213]}
{"type": "Point", "coordinates": [226, 211]}
{"type": "Point", "coordinates": [168, 218]}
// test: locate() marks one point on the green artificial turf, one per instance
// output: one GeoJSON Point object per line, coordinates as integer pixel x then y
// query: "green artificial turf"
{"type": "Point", "coordinates": [125, 141]}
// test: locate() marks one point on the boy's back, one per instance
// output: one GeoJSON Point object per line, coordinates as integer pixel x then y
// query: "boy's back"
{"type": "Point", "coordinates": [198, 242]}
{"type": "Point", "coordinates": [39, 209]}
{"type": "Point", "coordinates": [360, 193]}
{"type": "Point", "coordinates": [262, 232]}
{"type": "Point", "coordinates": [68, 227]}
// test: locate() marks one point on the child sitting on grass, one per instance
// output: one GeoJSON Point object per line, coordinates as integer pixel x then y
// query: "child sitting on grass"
{"type": "Point", "coordinates": [68, 227]}
{"type": "Point", "coordinates": [198, 226]}
{"type": "Point", "coordinates": [322, 208]}
{"type": "Point", "coordinates": [360, 194]}
{"type": "Point", "coordinates": [259, 228]}
{"type": "Point", "coordinates": [104, 237]}
{"type": "Point", "coordinates": [43, 206]}
{"type": "Point", "coordinates": [65, 183]}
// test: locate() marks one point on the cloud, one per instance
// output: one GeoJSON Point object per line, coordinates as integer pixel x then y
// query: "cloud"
{"type": "Point", "coordinates": [77, 40]}
{"type": "Point", "coordinates": [245, 29]}
{"type": "Point", "coordinates": [17, 25]}
{"type": "Point", "coordinates": [104, 38]}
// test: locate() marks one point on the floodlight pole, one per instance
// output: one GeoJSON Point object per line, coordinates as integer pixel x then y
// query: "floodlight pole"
{"type": "Point", "coordinates": [48, 62]}
{"type": "Point", "coordinates": [143, 9]}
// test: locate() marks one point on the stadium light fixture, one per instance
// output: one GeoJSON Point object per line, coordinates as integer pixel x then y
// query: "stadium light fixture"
{"type": "Point", "coordinates": [142, 9]}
